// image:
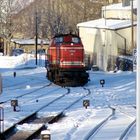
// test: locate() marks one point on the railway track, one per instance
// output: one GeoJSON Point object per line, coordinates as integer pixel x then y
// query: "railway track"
{"type": "Point", "coordinates": [32, 80]}
{"type": "Point", "coordinates": [21, 131]}
{"type": "Point", "coordinates": [49, 102]}
{"type": "Point", "coordinates": [24, 94]}
{"type": "Point", "coordinates": [37, 101]}
{"type": "Point", "coordinates": [131, 126]}
{"type": "Point", "coordinates": [10, 132]}
{"type": "Point", "coordinates": [127, 130]}
{"type": "Point", "coordinates": [100, 131]}
{"type": "Point", "coordinates": [29, 85]}
{"type": "Point", "coordinates": [93, 125]}
{"type": "Point", "coordinates": [24, 85]}
{"type": "Point", "coordinates": [31, 119]}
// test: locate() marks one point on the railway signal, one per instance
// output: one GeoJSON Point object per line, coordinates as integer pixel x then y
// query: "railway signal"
{"type": "Point", "coordinates": [14, 74]}
{"type": "Point", "coordinates": [1, 119]}
{"type": "Point", "coordinates": [14, 103]}
{"type": "Point", "coordinates": [102, 82]}
{"type": "Point", "coordinates": [86, 103]}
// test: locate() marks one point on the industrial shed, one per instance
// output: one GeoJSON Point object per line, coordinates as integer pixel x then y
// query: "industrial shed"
{"type": "Point", "coordinates": [106, 38]}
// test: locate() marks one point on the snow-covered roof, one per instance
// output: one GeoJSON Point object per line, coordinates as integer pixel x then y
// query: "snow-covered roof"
{"type": "Point", "coordinates": [119, 6]}
{"type": "Point", "coordinates": [110, 24]}
{"type": "Point", "coordinates": [29, 41]}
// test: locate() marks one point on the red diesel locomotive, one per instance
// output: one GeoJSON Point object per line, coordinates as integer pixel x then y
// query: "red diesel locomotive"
{"type": "Point", "coordinates": [65, 61]}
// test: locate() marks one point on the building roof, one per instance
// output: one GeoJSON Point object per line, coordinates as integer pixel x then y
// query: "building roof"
{"type": "Point", "coordinates": [30, 41]}
{"type": "Point", "coordinates": [110, 24]}
{"type": "Point", "coordinates": [119, 6]}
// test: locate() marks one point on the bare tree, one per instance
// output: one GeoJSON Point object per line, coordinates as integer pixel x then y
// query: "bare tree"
{"type": "Point", "coordinates": [54, 16]}
{"type": "Point", "coordinates": [8, 8]}
{"type": "Point", "coordinates": [1, 1]}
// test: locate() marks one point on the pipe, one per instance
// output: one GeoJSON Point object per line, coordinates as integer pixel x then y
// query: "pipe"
{"type": "Point", "coordinates": [124, 41]}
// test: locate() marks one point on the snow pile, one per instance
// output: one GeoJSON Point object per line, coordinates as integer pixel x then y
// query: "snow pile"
{"type": "Point", "coordinates": [21, 61]}
{"type": "Point", "coordinates": [13, 61]}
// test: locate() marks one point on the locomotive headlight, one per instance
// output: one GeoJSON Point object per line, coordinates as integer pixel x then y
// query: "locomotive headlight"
{"type": "Point", "coordinates": [61, 60]}
{"type": "Point", "coordinates": [71, 44]}
{"type": "Point", "coordinates": [83, 64]}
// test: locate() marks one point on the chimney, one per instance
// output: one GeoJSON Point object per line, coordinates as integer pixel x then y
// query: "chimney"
{"type": "Point", "coordinates": [125, 3]}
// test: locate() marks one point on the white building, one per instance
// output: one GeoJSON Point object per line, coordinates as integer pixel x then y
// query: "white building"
{"type": "Point", "coordinates": [106, 38]}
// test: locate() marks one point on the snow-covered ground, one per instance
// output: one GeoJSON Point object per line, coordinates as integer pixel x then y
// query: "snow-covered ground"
{"type": "Point", "coordinates": [119, 92]}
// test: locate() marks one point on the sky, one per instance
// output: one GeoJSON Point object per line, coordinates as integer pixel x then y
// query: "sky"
{"type": "Point", "coordinates": [119, 92]}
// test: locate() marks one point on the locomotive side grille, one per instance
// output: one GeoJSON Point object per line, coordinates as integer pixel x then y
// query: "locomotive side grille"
{"type": "Point", "coordinates": [70, 63]}
{"type": "Point", "coordinates": [68, 48]}
{"type": "Point", "coordinates": [73, 48]}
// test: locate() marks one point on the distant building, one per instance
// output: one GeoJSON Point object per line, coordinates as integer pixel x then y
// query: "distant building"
{"type": "Point", "coordinates": [119, 11]}
{"type": "Point", "coordinates": [106, 38]}
{"type": "Point", "coordinates": [28, 45]}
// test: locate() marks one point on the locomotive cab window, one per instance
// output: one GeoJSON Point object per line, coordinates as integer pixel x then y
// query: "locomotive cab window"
{"type": "Point", "coordinates": [75, 40]}
{"type": "Point", "coordinates": [58, 40]}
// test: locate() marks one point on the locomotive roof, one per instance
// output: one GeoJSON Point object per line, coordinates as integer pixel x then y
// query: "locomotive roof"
{"type": "Point", "coordinates": [59, 35]}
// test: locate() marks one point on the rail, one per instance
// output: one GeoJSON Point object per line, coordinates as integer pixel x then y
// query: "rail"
{"type": "Point", "coordinates": [95, 129]}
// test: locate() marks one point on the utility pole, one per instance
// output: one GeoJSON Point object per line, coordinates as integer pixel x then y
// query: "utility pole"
{"type": "Point", "coordinates": [36, 35]}
{"type": "Point", "coordinates": [138, 73]}
{"type": "Point", "coordinates": [132, 26]}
